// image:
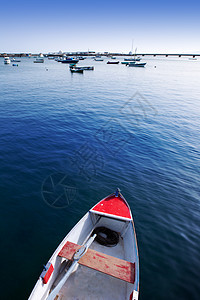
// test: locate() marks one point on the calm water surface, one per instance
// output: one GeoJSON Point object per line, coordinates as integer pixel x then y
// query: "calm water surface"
{"type": "Point", "coordinates": [133, 128]}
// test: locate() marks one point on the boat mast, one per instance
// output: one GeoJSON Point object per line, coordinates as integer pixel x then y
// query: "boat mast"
{"type": "Point", "coordinates": [132, 47]}
{"type": "Point", "coordinates": [135, 53]}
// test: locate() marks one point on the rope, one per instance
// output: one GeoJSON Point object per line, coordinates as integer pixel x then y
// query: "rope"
{"type": "Point", "coordinates": [106, 236]}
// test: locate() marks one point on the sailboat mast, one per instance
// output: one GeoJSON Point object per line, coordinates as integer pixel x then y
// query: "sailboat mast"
{"type": "Point", "coordinates": [131, 52]}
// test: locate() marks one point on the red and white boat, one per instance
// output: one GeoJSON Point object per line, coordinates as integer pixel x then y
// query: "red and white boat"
{"type": "Point", "coordinates": [97, 260]}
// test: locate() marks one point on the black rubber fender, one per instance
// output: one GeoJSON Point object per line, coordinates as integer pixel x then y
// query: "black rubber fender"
{"type": "Point", "coordinates": [106, 236]}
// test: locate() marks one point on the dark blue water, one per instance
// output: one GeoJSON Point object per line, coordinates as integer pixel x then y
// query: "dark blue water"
{"type": "Point", "coordinates": [66, 141]}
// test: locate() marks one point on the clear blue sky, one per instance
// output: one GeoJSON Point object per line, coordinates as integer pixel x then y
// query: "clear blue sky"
{"type": "Point", "coordinates": [154, 26]}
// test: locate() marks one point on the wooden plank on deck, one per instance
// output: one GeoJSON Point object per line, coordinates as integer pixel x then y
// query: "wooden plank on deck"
{"type": "Point", "coordinates": [101, 262]}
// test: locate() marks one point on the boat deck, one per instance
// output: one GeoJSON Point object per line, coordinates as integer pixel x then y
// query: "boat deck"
{"type": "Point", "coordinates": [90, 284]}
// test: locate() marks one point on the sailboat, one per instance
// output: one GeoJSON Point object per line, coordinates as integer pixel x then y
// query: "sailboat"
{"type": "Point", "coordinates": [98, 258]}
{"type": "Point", "coordinates": [133, 58]}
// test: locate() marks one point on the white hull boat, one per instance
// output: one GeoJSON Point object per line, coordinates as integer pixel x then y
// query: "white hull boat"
{"type": "Point", "coordinates": [97, 260]}
{"type": "Point", "coordinates": [6, 60]}
{"type": "Point", "coordinates": [132, 59]}
{"type": "Point", "coordinates": [15, 60]}
{"type": "Point", "coordinates": [90, 68]}
{"type": "Point", "coordinates": [39, 60]}
{"type": "Point", "coordinates": [134, 64]}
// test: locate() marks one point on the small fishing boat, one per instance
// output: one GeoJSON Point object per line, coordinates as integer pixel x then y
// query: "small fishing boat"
{"type": "Point", "coordinates": [15, 60]}
{"type": "Point", "coordinates": [135, 58]}
{"type": "Point", "coordinates": [98, 59]}
{"type": "Point", "coordinates": [98, 259]}
{"type": "Point", "coordinates": [69, 61]}
{"type": "Point", "coordinates": [132, 59]}
{"type": "Point", "coordinates": [39, 60]}
{"type": "Point", "coordinates": [112, 62]}
{"type": "Point", "coordinates": [134, 64]}
{"type": "Point", "coordinates": [82, 68]}
{"type": "Point", "coordinates": [6, 60]}
{"type": "Point", "coordinates": [15, 65]}
{"type": "Point", "coordinates": [75, 70]}
{"type": "Point", "coordinates": [88, 68]}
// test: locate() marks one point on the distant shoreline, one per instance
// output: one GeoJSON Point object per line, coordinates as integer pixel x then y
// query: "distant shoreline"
{"type": "Point", "coordinates": [102, 54]}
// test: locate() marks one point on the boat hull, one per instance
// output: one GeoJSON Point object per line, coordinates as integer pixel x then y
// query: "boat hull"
{"type": "Point", "coordinates": [69, 61]}
{"type": "Point", "coordinates": [6, 61]}
{"type": "Point", "coordinates": [82, 68]}
{"type": "Point", "coordinates": [76, 70]}
{"type": "Point", "coordinates": [96, 282]}
{"type": "Point", "coordinates": [113, 62]}
{"type": "Point", "coordinates": [132, 59]}
{"type": "Point", "coordinates": [137, 65]}
{"type": "Point", "coordinates": [39, 61]}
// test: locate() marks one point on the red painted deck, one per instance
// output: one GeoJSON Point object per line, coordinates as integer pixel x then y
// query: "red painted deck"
{"type": "Point", "coordinates": [101, 262]}
{"type": "Point", "coordinates": [114, 206]}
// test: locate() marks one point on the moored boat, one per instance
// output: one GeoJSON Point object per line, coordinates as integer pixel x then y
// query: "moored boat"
{"type": "Point", "coordinates": [39, 60]}
{"type": "Point", "coordinates": [90, 68]}
{"type": "Point", "coordinates": [75, 70]}
{"type": "Point", "coordinates": [112, 62]}
{"type": "Point", "coordinates": [6, 60]}
{"type": "Point", "coordinates": [69, 61]}
{"type": "Point", "coordinates": [98, 259]}
{"type": "Point", "coordinates": [132, 59]}
{"type": "Point", "coordinates": [135, 64]}
{"type": "Point", "coordinates": [98, 59]}
{"type": "Point", "coordinates": [15, 60]}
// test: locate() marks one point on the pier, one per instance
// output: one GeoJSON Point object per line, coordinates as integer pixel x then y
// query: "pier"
{"type": "Point", "coordinates": [168, 55]}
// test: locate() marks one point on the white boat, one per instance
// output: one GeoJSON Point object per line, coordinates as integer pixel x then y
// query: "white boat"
{"type": "Point", "coordinates": [15, 60]}
{"type": "Point", "coordinates": [75, 70]}
{"type": "Point", "coordinates": [6, 60]}
{"type": "Point", "coordinates": [98, 59]}
{"type": "Point", "coordinates": [109, 62]}
{"type": "Point", "coordinates": [39, 60]}
{"type": "Point", "coordinates": [132, 59]}
{"type": "Point", "coordinates": [135, 58]}
{"type": "Point", "coordinates": [98, 259]}
{"type": "Point", "coordinates": [135, 64]}
{"type": "Point", "coordinates": [84, 68]}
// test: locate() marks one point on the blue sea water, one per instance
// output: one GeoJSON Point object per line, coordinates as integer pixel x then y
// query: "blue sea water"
{"type": "Point", "coordinates": [67, 141]}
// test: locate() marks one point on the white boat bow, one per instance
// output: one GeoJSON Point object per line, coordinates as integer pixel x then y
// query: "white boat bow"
{"type": "Point", "coordinates": [98, 259]}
